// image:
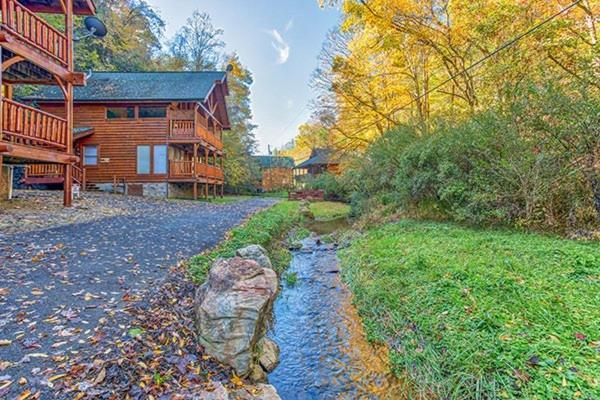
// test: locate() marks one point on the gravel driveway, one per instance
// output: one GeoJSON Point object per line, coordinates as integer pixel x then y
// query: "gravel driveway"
{"type": "Point", "coordinates": [58, 285]}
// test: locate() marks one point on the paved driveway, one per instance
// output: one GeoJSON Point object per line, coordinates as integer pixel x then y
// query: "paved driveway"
{"type": "Point", "coordinates": [57, 285]}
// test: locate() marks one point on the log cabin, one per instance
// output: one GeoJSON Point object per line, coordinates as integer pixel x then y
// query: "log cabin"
{"type": "Point", "coordinates": [146, 133]}
{"type": "Point", "coordinates": [33, 51]}
{"type": "Point", "coordinates": [321, 160]}
{"type": "Point", "coordinates": [276, 173]}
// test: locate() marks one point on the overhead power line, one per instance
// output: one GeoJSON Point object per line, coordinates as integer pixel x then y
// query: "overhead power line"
{"type": "Point", "coordinates": [484, 59]}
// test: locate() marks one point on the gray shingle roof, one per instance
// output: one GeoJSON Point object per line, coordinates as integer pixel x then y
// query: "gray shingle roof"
{"type": "Point", "coordinates": [319, 157]}
{"type": "Point", "coordinates": [274, 161]}
{"type": "Point", "coordinates": [139, 86]}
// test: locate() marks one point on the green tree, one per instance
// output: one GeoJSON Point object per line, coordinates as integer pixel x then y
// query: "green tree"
{"type": "Point", "coordinates": [239, 143]}
{"type": "Point", "coordinates": [197, 45]}
{"type": "Point", "coordinates": [133, 42]}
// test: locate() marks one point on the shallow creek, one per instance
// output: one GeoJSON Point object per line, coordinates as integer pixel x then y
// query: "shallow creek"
{"type": "Point", "coordinates": [324, 353]}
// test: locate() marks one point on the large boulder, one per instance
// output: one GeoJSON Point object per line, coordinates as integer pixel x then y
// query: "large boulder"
{"type": "Point", "coordinates": [231, 309]}
{"type": "Point", "coordinates": [257, 253]}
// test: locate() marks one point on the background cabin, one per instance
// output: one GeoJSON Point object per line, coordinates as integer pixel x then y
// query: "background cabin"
{"type": "Point", "coordinates": [149, 133]}
{"type": "Point", "coordinates": [320, 161]}
{"type": "Point", "coordinates": [277, 173]}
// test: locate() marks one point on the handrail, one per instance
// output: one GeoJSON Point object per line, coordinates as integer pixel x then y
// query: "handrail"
{"type": "Point", "coordinates": [187, 168]}
{"type": "Point", "coordinates": [56, 170]}
{"type": "Point", "coordinates": [79, 176]}
{"type": "Point", "coordinates": [17, 19]}
{"type": "Point", "coordinates": [180, 168]}
{"type": "Point", "coordinates": [44, 170]}
{"type": "Point", "coordinates": [26, 125]}
{"type": "Point", "coordinates": [181, 128]}
{"type": "Point", "coordinates": [207, 135]}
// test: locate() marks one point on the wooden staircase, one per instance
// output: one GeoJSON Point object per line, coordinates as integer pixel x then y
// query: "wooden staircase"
{"type": "Point", "coordinates": [53, 174]}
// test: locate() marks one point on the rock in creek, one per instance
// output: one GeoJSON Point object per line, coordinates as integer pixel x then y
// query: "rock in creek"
{"type": "Point", "coordinates": [269, 354]}
{"type": "Point", "coordinates": [231, 309]}
{"type": "Point", "coordinates": [257, 253]}
{"type": "Point", "coordinates": [258, 392]}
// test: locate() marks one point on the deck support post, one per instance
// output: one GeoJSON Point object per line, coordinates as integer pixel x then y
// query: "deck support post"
{"type": "Point", "coordinates": [206, 190]}
{"type": "Point", "coordinates": [68, 183]}
{"type": "Point", "coordinates": [195, 190]}
{"type": "Point", "coordinates": [214, 190]}
{"type": "Point", "coordinates": [222, 189]}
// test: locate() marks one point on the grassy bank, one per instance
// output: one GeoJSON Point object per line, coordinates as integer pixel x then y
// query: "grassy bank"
{"type": "Point", "coordinates": [263, 228]}
{"type": "Point", "coordinates": [327, 210]}
{"type": "Point", "coordinates": [473, 314]}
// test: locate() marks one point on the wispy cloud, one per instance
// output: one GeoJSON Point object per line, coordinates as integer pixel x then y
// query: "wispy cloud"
{"type": "Point", "coordinates": [289, 25]}
{"type": "Point", "coordinates": [280, 46]}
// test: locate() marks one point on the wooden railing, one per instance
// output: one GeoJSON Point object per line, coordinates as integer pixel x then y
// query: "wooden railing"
{"type": "Point", "coordinates": [44, 170]}
{"type": "Point", "coordinates": [188, 129]}
{"type": "Point", "coordinates": [181, 128]}
{"type": "Point", "coordinates": [209, 136]}
{"type": "Point", "coordinates": [56, 171]}
{"type": "Point", "coordinates": [185, 169]}
{"type": "Point", "coordinates": [79, 176]}
{"type": "Point", "coordinates": [31, 127]}
{"type": "Point", "coordinates": [214, 172]}
{"type": "Point", "coordinates": [180, 169]}
{"type": "Point", "coordinates": [17, 19]}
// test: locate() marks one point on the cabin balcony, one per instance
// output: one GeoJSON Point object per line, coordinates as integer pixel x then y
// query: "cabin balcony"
{"type": "Point", "coordinates": [33, 134]}
{"type": "Point", "coordinates": [211, 136]}
{"type": "Point", "coordinates": [186, 170]}
{"type": "Point", "coordinates": [28, 35]}
{"type": "Point", "coordinates": [183, 130]}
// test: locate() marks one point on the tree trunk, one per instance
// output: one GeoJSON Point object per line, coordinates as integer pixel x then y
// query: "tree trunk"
{"type": "Point", "coordinates": [594, 180]}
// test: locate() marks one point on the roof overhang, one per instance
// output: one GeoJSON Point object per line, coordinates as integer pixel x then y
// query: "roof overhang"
{"type": "Point", "coordinates": [80, 7]}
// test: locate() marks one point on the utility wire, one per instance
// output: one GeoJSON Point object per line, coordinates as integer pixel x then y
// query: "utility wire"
{"type": "Point", "coordinates": [484, 59]}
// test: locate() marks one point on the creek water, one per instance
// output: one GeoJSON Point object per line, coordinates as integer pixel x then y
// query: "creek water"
{"type": "Point", "coordinates": [324, 353]}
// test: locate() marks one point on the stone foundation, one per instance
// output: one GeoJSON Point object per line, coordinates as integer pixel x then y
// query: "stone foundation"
{"type": "Point", "coordinates": [183, 190]}
{"type": "Point", "coordinates": [156, 190]}
{"type": "Point", "coordinates": [6, 182]}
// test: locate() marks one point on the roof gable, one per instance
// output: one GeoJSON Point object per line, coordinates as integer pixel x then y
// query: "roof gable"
{"type": "Point", "coordinates": [140, 86]}
{"type": "Point", "coordinates": [319, 156]}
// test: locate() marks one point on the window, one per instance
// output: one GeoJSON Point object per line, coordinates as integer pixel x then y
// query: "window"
{"type": "Point", "coordinates": [153, 112]}
{"type": "Point", "coordinates": [143, 159]}
{"type": "Point", "coordinates": [90, 155]}
{"type": "Point", "coordinates": [160, 159]}
{"type": "Point", "coordinates": [120, 113]}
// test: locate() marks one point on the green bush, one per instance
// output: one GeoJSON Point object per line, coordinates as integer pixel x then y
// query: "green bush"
{"type": "Point", "coordinates": [329, 183]}
{"type": "Point", "coordinates": [525, 164]}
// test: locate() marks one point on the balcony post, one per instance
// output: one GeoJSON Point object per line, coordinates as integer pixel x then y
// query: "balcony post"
{"type": "Point", "coordinates": [68, 183]}
{"type": "Point", "coordinates": [1, 87]}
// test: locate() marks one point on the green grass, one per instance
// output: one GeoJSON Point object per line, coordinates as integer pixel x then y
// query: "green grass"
{"type": "Point", "coordinates": [291, 279]}
{"type": "Point", "coordinates": [481, 314]}
{"type": "Point", "coordinates": [327, 210]}
{"type": "Point", "coordinates": [264, 228]}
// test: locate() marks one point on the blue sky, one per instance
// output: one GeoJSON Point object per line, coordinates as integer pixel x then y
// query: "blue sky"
{"type": "Point", "coordinates": [279, 41]}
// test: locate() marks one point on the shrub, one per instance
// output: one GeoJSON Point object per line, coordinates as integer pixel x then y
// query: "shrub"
{"type": "Point", "coordinates": [529, 163]}
{"type": "Point", "coordinates": [328, 182]}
